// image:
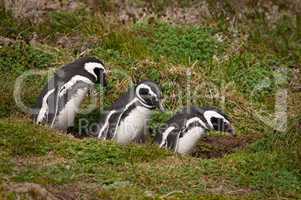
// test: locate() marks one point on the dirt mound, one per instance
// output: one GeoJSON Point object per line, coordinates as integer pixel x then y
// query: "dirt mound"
{"type": "Point", "coordinates": [218, 146]}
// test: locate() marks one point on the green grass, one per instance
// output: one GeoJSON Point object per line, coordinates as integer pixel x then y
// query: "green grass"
{"type": "Point", "coordinates": [181, 44]}
{"type": "Point", "coordinates": [20, 57]}
{"type": "Point", "coordinates": [241, 68]}
{"type": "Point", "coordinates": [114, 167]}
{"type": "Point", "coordinates": [17, 59]}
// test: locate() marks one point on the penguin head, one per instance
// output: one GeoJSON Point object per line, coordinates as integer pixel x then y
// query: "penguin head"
{"type": "Point", "coordinates": [96, 70]}
{"type": "Point", "coordinates": [217, 120]}
{"type": "Point", "coordinates": [149, 94]}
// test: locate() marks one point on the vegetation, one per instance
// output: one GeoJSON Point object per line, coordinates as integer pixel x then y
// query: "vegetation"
{"type": "Point", "coordinates": [236, 58]}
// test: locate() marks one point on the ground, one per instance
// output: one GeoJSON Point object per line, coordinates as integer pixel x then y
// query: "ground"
{"type": "Point", "coordinates": [241, 56]}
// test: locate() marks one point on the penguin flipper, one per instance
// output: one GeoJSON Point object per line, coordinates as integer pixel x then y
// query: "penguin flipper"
{"type": "Point", "coordinates": [110, 123]}
{"type": "Point", "coordinates": [44, 105]}
{"type": "Point", "coordinates": [46, 102]}
{"type": "Point", "coordinates": [64, 93]}
{"type": "Point", "coordinates": [172, 139]}
{"type": "Point", "coordinates": [114, 120]}
{"type": "Point", "coordinates": [56, 105]}
{"type": "Point", "coordinates": [46, 108]}
{"type": "Point", "coordinates": [113, 124]}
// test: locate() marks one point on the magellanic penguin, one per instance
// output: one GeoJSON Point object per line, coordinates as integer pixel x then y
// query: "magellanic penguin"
{"type": "Point", "coordinates": [127, 119]}
{"type": "Point", "coordinates": [182, 132]}
{"type": "Point", "coordinates": [61, 97]}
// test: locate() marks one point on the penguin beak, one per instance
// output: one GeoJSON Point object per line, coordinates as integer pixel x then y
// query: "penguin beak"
{"type": "Point", "coordinates": [231, 131]}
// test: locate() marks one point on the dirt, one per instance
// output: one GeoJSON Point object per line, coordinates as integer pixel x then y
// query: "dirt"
{"type": "Point", "coordinates": [47, 160]}
{"type": "Point", "coordinates": [68, 191]}
{"type": "Point", "coordinates": [188, 15]}
{"type": "Point", "coordinates": [36, 191]}
{"type": "Point", "coordinates": [6, 41]}
{"type": "Point", "coordinates": [219, 146]}
{"type": "Point", "coordinates": [35, 10]}
{"type": "Point", "coordinates": [127, 11]}
{"type": "Point", "coordinates": [295, 81]}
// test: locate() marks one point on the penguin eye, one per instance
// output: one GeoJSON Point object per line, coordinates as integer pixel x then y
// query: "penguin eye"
{"type": "Point", "coordinates": [97, 71]}
{"type": "Point", "coordinates": [143, 91]}
{"type": "Point", "coordinates": [217, 123]}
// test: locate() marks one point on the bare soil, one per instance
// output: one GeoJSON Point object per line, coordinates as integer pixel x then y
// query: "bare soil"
{"type": "Point", "coordinates": [219, 146]}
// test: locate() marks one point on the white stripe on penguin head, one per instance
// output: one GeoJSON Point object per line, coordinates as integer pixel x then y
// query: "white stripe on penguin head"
{"type": "Point", "coordinates": [195, 119]}
{"type": "Point", "coordinates": [90, 66]}
{"type": "Point", "coordinates": [211, 113]}
{"type": "Point", "coordinates": [140, 86]}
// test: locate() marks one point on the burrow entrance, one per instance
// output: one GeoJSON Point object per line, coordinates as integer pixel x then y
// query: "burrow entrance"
{"type": "Point", "coordinates": [219, 146]}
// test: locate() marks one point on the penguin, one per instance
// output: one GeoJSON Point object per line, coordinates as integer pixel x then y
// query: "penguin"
{"type": "Point", "coordinates": [182, 131]}
{"type": "Point", "coordinates": [61, 97]}
{"type": "Point", "coordinates": [126, 120]}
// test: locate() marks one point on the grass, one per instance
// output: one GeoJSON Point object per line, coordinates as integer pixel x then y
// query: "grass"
{"type": "Point", "coordinates": [233, 68]}
{"type": "Point", "coordinates": [39, 155]}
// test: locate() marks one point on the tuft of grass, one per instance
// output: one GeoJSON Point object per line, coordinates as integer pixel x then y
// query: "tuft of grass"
{"type": "Point", "coordinates": [264, 171]}
{"type": "Point", "coordinates": [251, 75]}
{"type": "Point", "coordinates": [17, 139]}
{"type": "Point", "coordinates": [270, 164]}
{"type": "Point", "coordinates": [64, 22]}
{"type": "Point", "coordinates": [127, 43]}
{"type": "Point", "coordinates": [281, 38]}
{"type": "Point", "coordinates": [20, 57]}
{"type": "Point", "coordinates": [159, 6]}
{"type": "Point", "coordinates": [180, 44]}
{"type": "Point", "coordinates": [12, 28]}
{"type": "Point", "coordinates": [57, 174]}
{"type": "Point", "coordinates": [17, 59]}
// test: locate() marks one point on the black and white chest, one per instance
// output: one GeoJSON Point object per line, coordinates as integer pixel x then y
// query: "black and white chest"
{"type": "Point", "coordinates": [133, 123]}
{"type": "Point", "coordinates": [182, 132]}
{"type": "Point", "coordinates": [61, 97]}
{"type": "Point", "coordinates": [187, 126]}
{"type": "Point", "coordinates": [128, 118]}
